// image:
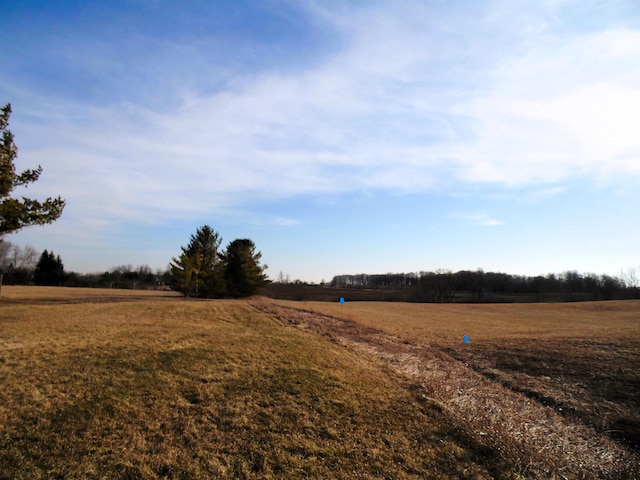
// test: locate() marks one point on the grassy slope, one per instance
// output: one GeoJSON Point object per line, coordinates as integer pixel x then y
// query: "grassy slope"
{"type": "Point", "coordinates": [165, 388]}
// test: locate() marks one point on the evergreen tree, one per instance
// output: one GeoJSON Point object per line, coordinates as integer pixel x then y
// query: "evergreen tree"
{"type": "Point", "coordinates": [16, 214]}
{"type": "Point", "coordinates": [243, 273]}
{"type": "Point", "coordinates": [49, 270]}
{"type": "Point", "coordinates": [198, 272]}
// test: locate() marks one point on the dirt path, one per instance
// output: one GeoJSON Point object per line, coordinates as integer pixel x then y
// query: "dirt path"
{"type": "Point", "coordinates": [540, 443]}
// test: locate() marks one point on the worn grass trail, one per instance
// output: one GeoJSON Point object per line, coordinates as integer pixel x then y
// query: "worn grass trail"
{"type": "Point", "coordinates": [147, 388]}
{"type": "Point", "coordinates": [537, 439]}
{"type": "Point", "coordinates": [580, 359]}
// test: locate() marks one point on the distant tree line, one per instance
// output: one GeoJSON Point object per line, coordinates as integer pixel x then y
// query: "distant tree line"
{"type": "Point", "coordinates": [24, 266]}
{"type": "Point", "coordinates": [17, 263]}
{"type": "Point", "coordinates": [141, 277]}
{"type": "Point", "coordinates": [444, 286]}
{"type": "Point", "coordinates": [202, 270]}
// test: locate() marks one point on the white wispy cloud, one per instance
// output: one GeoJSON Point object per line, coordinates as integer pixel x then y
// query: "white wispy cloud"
{"type": "Point", "coordinates": [563, 111]}
{"type": "Point", "coordinates": [418, 97]}
{"type": "Point", "coordinates": [478, 218]}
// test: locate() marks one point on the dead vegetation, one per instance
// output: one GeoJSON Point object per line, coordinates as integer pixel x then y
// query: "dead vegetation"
{"type": "Point", "coordinates": [116, 385]}
{"type": "Point", "coordinates": [541, 419]}
{"type": "Point", "coordinates": [592, 382]}
{"type": "Point", "coordinates": [23, 295]}
{"type": "Point", "coordinates": [147, 389]}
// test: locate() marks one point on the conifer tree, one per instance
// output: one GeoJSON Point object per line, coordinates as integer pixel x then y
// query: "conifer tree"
{"type": "Point", "coordinates": [49, 270]}
{"type": "Point", "coordinates": [198, 272]}
{"type": "Point", "coordinates": [243, 273]}
{"type": "Point", "coordinates": [203, 271]}
{"type": "Point", "coordinates": [16, 214]}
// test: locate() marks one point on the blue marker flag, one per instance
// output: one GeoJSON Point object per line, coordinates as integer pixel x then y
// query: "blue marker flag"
{"type": "Point", "coordinates": [465, 339]}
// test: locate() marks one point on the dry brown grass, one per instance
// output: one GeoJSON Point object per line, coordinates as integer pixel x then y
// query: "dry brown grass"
{"type": "Point", "coordinates": [24, 294]}
{"type": "Point", "coordinates": [550, 386]}
{"type": "Point", "coordinates": [445, 324]}
{"type": "Point", "coordinates": [96, 386]}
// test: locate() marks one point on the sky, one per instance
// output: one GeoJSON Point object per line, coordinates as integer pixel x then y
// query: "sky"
{"type": "Point", "coordinates": [342, 137]}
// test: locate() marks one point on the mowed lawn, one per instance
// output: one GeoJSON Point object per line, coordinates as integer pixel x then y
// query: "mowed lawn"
{"type": "Point", "coordinates": [116, 385]}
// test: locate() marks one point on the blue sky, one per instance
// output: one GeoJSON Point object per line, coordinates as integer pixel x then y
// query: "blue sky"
{"type": "Point", "coordinates": [341, 136]}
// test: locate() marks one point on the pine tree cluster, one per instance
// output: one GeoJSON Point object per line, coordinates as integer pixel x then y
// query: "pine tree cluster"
{"type": "Point", "coordinates": [49, 270]}
{"type": "Point", "coordinates": [203, 271]}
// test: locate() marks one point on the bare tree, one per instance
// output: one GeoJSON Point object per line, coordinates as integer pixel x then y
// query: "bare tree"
{"type": "Point", "coordinates": [631, 277]}
{"type": "Point", "coordinates": [282, 278]}
{"type": "Point", "coordinates": [28, 258]}
{"type": "Point", "coordinates": [16, 257]}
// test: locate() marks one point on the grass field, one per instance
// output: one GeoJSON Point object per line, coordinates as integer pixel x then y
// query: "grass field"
{"type": "Point", "coordinates": [122, 384]}
{"type": "Point", "coordinates": [445, 324]}
{"type": "Point", "coordinates": [580, 360]}
{"type": "Point", "coordinates": [146, 387]}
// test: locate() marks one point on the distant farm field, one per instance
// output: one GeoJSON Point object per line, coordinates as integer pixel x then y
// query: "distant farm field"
{"type": "Point", "coordinates": [579, 360]}
{"type": "Point", "coordinates": [122, 384]}
{"type": "Point", "coordinates": [445, 324]}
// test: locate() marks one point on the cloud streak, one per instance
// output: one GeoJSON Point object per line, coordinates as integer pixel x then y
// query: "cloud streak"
{"type": "Point", "coordinates": [414, 98]}
{"type": "Point", "coordinates": [479, 218]}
